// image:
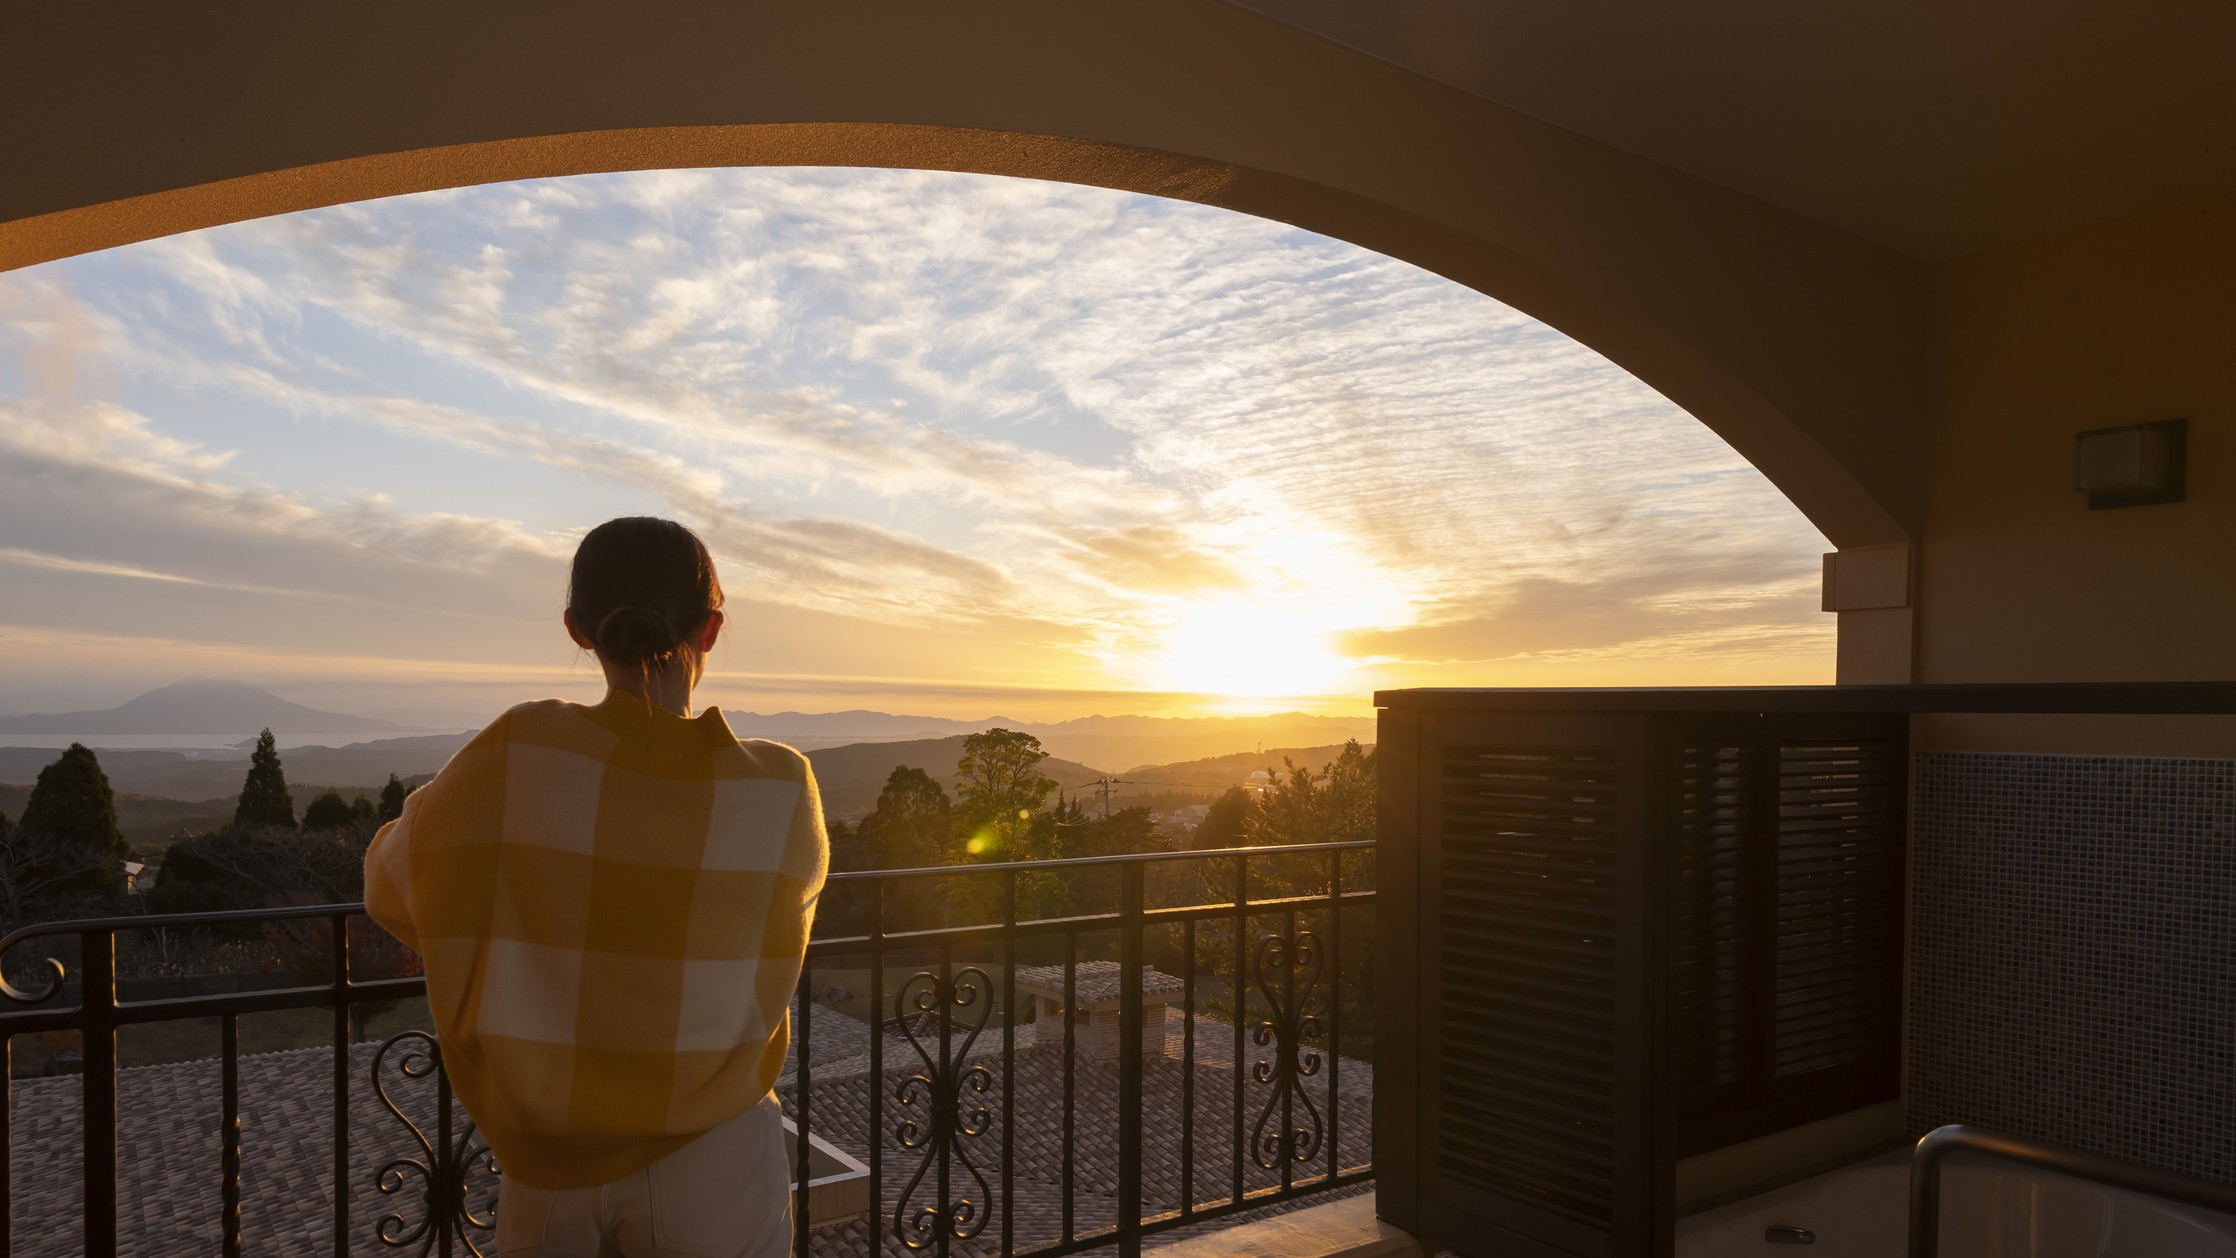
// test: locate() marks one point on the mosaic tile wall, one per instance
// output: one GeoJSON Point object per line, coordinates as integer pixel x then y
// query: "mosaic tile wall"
{"type": "Point", "coordinates": [2073, 953]}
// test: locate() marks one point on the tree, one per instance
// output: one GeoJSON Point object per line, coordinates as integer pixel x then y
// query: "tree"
{"type": "Point", "coordinates": [392, 799]}
{"type": "Point", "coordinates": [912, 826]}
{"type": "Point", "coordinates": [1228, 821]}
{"type": "Point", "coordinates": [67, 846]}
{"type": "Point", "coordinates": [72, 801]}
{"type": "Point", "coordinates": [328, 812]}
{"type": "Point", "coordinates": [998, 788]}
{"type": "Point", "coordinates": [1121, 833]}
{"type": "Point", "coordinates": [44, 878]}
{"type": "Point", "coordinates": [1334, 806]}
{"type": "Point", "coordinates": [264, 797]}
{"type": "Point", "coordinates": [253, 867]}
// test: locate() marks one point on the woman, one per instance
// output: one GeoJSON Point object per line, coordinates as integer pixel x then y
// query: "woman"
{"type": "Point", "coordinates": [612, 903]}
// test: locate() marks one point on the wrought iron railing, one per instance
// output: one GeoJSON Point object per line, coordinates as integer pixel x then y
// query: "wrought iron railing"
{"type": "Point", "coordinates": [973, 1129]}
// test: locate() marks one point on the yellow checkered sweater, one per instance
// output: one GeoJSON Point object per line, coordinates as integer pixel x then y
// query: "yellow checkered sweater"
{"type": "Point", "coordinates": [612, 904]}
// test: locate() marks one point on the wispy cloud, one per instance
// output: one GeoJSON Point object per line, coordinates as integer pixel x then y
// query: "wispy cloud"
{"type": "Point", "coordinates": [944, 405]}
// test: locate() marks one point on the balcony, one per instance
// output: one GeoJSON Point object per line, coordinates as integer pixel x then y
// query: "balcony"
{"type": "Point", "coordinates": [970, 1076]}
{"type": "Point", "coordinates": [1627, 959]}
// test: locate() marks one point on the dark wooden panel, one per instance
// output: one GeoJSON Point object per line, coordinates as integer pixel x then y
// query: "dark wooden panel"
{"type": "Point", "coordinates": [1536, 1037]}
{"type": "Point", "coordinates": [1397, 969]}
{"type": "Point", "coordinates": [1787, 997]}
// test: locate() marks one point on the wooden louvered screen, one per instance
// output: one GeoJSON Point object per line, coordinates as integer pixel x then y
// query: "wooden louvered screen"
{"type": "Point", "coordinates": [1786, 994]}
{"type": "Point", "coordinates": [1714, 990]}
{"type": "Point", "coordinates": [1536, 1045]}
{"type": "Point", "coordinates": [1611, 939]}
{"type": "Point", "coordinates": [1526, 940]}
{"type": "Point", "coordinates": [1838, 937]}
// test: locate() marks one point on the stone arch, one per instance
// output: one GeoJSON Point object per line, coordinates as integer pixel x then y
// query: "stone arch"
{"type": "Point", "coordinates": [1796, 343]}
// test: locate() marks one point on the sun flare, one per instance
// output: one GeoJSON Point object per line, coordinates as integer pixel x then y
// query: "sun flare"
{"type": "Point", "coordinates": [1243, 649]}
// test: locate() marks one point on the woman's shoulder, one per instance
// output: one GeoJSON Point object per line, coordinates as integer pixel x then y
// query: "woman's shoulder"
{"type": "Point", "coordinates": [773, 759]}
{"type": "Point", "coordinates": [534, 715]}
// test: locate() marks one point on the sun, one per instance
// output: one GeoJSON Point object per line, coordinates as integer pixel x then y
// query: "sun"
{"type": "Point", "coordinates": [1243, 649]}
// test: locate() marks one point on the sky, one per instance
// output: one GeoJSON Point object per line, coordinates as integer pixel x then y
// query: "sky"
{"type": "Point", "coordinates": [961, 445]}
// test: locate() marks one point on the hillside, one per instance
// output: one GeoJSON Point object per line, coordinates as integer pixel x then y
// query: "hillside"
{"type": "Point", "coordinates": [179, 776]}
{"type": "Point", "coordinates": [850, 777]}
{"type": "Point", "coordinates": [146, 821]}
{"type": "Point", "coordinates": [1217, 773]}
{"type": "Point", "coordinates": [200, 707]}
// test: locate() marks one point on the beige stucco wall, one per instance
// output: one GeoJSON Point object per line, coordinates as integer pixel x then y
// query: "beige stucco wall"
{"type": "Point", "coordinates": [2118, 324]}
{"type": "Point", "coordinates": [2018, 581]}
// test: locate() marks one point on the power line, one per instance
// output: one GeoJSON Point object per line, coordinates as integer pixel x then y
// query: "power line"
{"type": "Point", "coordinates": [1106, 782]}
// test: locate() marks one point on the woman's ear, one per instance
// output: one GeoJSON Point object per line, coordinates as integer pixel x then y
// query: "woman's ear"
{"type": "Point", "coordinates": [709, 630]}
{"type": "Point", "coordinates": [581, 639]}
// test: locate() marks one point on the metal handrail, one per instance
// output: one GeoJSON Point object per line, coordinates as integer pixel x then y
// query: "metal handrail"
{"type": "Point", "coordinates": [1287, 948]}
{"type": "Point", "coordinates": [1938, 1144]}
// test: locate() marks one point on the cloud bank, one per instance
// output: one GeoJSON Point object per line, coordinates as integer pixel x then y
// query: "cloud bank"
{"type": "Point", "coordinates": [951, 435]}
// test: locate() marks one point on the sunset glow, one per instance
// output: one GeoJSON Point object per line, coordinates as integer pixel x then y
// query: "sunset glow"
{"type": "Point", "coordinates": [962, 445]}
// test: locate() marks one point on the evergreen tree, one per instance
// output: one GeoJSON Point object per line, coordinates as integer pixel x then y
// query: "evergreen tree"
{"type": "Point", "coordinates": [264, 797]}
{"type": "Point", "coordinates": [72, 802]}
{"type": "Point", "coordinates": [70, 820]}
{"type": "Point", "coordinates": [363, 809]}
{"type": "Point", "coordinates": [328, 812]}
{"type": "Point", "coordinates": [392, 798]}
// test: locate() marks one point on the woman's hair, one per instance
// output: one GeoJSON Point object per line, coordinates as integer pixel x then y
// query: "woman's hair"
{"type": "Point", "coordinates": [641, 586]}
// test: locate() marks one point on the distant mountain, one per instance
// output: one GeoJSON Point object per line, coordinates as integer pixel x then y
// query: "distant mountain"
{"type": "Point", "coordinates": [853, 726]}
{"type": "Point", "coordinates": [851, 776]}
{"type": "Point", "coordinates": [1087, 740]}
{"type": "Point", "coordinates": [200, 707]}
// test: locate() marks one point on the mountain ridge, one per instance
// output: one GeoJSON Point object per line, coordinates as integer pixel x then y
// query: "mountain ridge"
{"type": "Point", "coordinates": [199, 708]}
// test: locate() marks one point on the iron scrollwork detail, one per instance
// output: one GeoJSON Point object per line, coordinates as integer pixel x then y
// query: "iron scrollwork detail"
{"type": "Point", "coordinates": [1287, 969]}
{"type": "Point", "coordinates": [55, 977]}
{"type": "Point", "coordinates": [441, 1174]}
{"type": "Point", "coordinates": [948, 1092]}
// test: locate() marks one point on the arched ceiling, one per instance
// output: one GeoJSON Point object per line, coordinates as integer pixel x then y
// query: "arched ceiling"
{"type": "Point", "coordinates": [1932, 127]}
{"type": "Point", "coordinates": [1799, 342]}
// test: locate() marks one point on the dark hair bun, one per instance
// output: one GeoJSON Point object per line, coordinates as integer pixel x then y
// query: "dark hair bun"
{"type": "Point", "coordinates": [639, 588]}
{"type": "Point", "coordinates": [634, 634]}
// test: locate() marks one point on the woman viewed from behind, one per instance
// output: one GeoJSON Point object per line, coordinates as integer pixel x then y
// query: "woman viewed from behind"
{"type": "Point", "coordinates": [612, 903]}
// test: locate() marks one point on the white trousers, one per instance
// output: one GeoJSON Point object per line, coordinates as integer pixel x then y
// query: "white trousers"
{"type": "Point", "coordinates": [724, 1195]}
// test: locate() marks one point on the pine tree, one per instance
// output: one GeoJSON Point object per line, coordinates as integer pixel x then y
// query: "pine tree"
{"type": "Point", "coordinates": [392, 798]}
{"type": "Point", "coordinates": [264, 797]}
{"type": "Point", "coordinates": [72, 801]}
{"type": "Point", "coordinates": [72, 806]}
